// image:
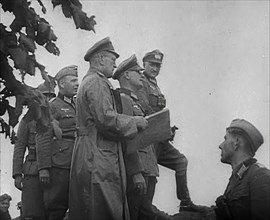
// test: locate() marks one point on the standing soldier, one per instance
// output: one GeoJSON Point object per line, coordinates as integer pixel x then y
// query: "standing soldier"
{"type": "Point", "coordinates": [153, 100]}
{"type": "Point", "coordinates": [98, 187]}
{"type": "Point", "coordinates": [141, 166]}
{"type": "Point", "coordinates": [54, 147]}
{"type": "Point", "coordinates": [25, 172]}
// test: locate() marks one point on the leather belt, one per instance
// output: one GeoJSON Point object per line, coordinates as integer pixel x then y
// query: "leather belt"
{"type": "Point", "coordinates": [68, 137]}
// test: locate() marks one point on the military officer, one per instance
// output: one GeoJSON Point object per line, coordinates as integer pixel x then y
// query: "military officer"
{"type": "Point", "coordinates": [98, 179]}
{"type": "Point", "coordinates": [25, 172]}
{"type": "Point", "coordinates": [141, 166]}
{"type": "Point", "coordinates": [55, 146]}
{"type": "Point", "coordinates": [153, 100]}
{"type": "Point", "coordinates": [247, 195]}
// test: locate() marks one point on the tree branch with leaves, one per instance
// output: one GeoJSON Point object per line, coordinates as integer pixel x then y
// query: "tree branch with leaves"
{"type": "Point", "coordinates": [27, 30]}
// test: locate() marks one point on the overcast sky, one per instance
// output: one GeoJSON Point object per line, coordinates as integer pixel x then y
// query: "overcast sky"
{"type": "Point", "coordinates": [215, 69]}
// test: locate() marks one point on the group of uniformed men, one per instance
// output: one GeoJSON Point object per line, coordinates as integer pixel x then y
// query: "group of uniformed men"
{"type": "Point", "coordinates": [82, 164]}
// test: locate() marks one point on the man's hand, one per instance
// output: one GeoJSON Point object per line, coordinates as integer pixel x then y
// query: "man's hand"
{"type": "Point", "coordinates": [141, 122]}
{"type": "Point", "coordinates": [139, 183]}
{"type": "Point", "coordinates": [18, 182]}
{"type": "Point", "coordinates": [44, 176]}
{"type": "Point", "coordinates": [173, 131]}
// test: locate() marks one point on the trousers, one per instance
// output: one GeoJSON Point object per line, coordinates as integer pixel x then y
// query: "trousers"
{"type": "Point", "coordinates": [169, 157]}
{"type": "Point", "coordinates": [56, 194]}
{"type": "Point", "coordinates": [32, 202]}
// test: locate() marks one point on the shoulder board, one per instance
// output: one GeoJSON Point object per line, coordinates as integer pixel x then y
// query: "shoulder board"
{"type": "Point", "coordinates": [260, 165]}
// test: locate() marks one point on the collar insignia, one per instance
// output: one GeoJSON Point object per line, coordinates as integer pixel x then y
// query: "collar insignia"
{"type": "Point", "coordinates": [241, 171]}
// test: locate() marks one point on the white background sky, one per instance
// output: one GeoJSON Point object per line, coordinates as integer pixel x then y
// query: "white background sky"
{"type": "Point", "coordinates": [215, 69]}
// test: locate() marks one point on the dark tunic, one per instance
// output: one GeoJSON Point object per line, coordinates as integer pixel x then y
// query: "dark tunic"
{"type": "Point", "coordinates": [248, 192]}
{"type": "Point", "coordinates": [32, 196]}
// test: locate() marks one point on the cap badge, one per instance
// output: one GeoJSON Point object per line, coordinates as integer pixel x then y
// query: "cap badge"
{"type": "Point", "coordinates": [158, 56]}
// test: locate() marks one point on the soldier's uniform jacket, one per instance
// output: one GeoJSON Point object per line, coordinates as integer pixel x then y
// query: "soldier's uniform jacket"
{"type": "Point", "coordinates": [143, 160]}
{"type": "Point", "coordinates": [150, 96]}
{"type": "Point", "coordinates": [26, 141]}
{"type": "Point", "coordinates": [248, 192]}
{"type": "Point", "coordinates": [52, 151]}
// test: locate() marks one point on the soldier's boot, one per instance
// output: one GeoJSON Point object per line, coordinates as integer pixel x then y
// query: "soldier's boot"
{"type": "Point", "coordinates": [183, 194]}
{"type": "Point", "coordinates": [153, 213]}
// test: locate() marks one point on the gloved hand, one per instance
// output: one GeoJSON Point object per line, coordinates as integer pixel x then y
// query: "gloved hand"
{"type": "Point", "coordinates": [44, 176]}
{"type": "Point", "coordinates": [141, 122]}
{"type": "Point", "coordinates": [18, 182]}
{"type": "Point", "coordinates": [139, 183]}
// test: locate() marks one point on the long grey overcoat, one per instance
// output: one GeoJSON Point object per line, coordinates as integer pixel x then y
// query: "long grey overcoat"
{"type": "Point", "coordinates": [98, 181]}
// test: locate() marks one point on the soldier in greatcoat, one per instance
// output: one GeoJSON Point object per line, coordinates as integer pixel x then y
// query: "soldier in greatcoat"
{"type": "Point", "coordinates": [98, 179]}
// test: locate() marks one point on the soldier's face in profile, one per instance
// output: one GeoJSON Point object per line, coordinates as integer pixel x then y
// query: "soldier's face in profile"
{"type": "Point", "coordinates": [109, 64]}
{"type": "Point", "coordinates": [136, 79]}
{"type": "Point", "coordinates": [4, 205]}
{"type": "Point", "coordinates": [227, 148]}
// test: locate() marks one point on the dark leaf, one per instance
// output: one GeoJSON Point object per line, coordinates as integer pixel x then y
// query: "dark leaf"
{"type": "Point", "coordinates": [32, 19]}
{"type": "Point", "coordinates": [17, 24]}
{"type": "Point", "coordinates": [3, 47]}
{"type": "Point", "coordinates": [13, 117]}
{"type": "Point", "coordinates": [31, 64]}
{"type": "Point", "coordinates": [30, 31]}
{"type": "Point", "coordinates": [43, 9]}
{"type": "Point", "coordinates": [66, 9]}
{"type": "Point", "coordinates": [78, 16]}
{"type": "Point", "coordinates": [52, 36]}
{"type": "Point", "coordinates": [7, 130]}
{"type": "Point", "coordinates": [13, 137]}
{"type": "Point", "coordinates": [90, 23]}
{"type": "Point", "coordinates": [49, 80]}
{"type": "Point", "coordinates": [2, 122]}
{"type": "Point", "coordinates": [77, 3]}
{"type": "Point", "coordinates": [28, 42]}
{"type": "Point", "coordinates": [3, 106]}
{"type": "Point", "coordinates": [8, 5]}
{"type": "Point", "coordinates": [57, 2]}
{"type": "Point", "coordinates": [44, 29]}
{"type": "Point", "coordinates": [81, 20]}
{"type": "Point", "coordinates": [40, 110]}
{"type": "Point", "coordinates": [40, 39]}
{"type": "Point", "coordinates": [52, 48]}
{"type": "Point", "coordinates": [42, 69]}
{"type": "Point", "coordinates": [43, 33]}
{"type": "Point", "coordinates": [10, 39]}
{"type": "Point", "coordinates": [19, 57]}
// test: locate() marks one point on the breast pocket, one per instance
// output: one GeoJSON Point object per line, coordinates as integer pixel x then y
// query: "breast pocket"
{"type": "Point", "coordinates": [67, 121]}
{"type": "Point", "coordinates": [240, 192]}
{"type": "Point", "coordinates": [32, 135]}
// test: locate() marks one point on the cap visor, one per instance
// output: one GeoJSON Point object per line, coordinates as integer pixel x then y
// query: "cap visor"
{"type": "Point", "coordinates": [154, 61]}
{"type": "Point", "coordinates": [113, 52]}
